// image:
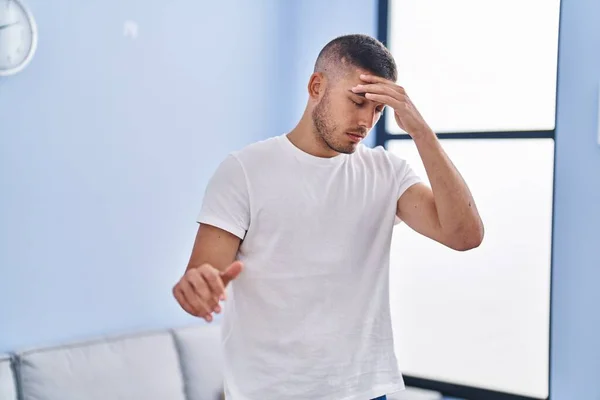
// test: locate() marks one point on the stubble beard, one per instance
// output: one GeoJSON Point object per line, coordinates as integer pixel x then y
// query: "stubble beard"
{"type": "Point", "coordinates": [325, 128]}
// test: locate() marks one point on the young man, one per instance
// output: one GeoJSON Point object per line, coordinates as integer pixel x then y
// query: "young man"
{"type": "Point", "coordinates": [300, 226]}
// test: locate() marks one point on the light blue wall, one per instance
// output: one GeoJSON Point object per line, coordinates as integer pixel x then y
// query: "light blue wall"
{"type": "Point", "coordinates": [106, 144]}
{"type": "Point", "coordinates": [576, 302]}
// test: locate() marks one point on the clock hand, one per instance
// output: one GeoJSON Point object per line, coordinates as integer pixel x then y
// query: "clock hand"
{"type": "Point", "coordinates": [7, 25]}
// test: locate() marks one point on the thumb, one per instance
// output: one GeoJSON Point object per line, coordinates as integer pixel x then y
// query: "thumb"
{"type": "Point", "coordinates": [231, 272]}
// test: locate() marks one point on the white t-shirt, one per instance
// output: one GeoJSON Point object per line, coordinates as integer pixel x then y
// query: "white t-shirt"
{"type": "Point", "coordinates": [308, 318]}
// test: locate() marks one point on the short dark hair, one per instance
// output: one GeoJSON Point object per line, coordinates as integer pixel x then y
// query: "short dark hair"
{"type": "Point", "coordinates": [361, 51]}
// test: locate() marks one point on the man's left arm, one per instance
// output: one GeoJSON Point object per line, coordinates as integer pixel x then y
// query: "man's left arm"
{"type": "Point", "coordinates": [446, 212]}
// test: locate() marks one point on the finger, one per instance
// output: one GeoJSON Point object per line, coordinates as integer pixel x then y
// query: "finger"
{"type": "Point", "coordinates": [387, 100]}
{"type": "Point", "coordinates": [183, 302]}
{"type": "Point", "coordinates": [379, 85]}
{"type": "Point", "coordinates": [215, 284]}
{"type": "Point", "coordinates": [203, 292]}
{"type": "Point", "coordinates": [375, 79]}
{"type": "Point", "coordinates": [193, 299]}
{"type": "Point", "coordinates": [196, 279]}
{"type": "Point", "coordinates": [231, 272]}
{"type": "Point", "coordinates": [195, 310]}
{"type": "Point", "coordinates": [202, 288]}
{"type": "Point", "coordinates": [378, 88]}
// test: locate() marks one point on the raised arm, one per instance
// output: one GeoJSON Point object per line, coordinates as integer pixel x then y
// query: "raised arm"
{"type": "Point", "coordinates": [446, 212]}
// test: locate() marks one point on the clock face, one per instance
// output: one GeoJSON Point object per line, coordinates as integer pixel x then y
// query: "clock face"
{"type": "Point", "coordinates": [17, 36]}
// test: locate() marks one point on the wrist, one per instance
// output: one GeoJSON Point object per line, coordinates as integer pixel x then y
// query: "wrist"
{"type": "Point", "coordinates": [424, 135]}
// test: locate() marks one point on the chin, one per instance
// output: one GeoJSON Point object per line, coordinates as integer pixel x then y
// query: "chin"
{"type": "Point", "coordinates": [348, 149]}
{"type": "Point", "coordinates": [340, 145]}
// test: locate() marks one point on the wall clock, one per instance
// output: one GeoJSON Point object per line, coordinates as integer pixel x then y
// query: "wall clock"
{"type": "Point", "coordinates": [18, 36]}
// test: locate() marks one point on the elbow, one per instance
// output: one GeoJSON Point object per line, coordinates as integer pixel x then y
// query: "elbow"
{"type": "Point", "coordinates": [468, 239]}
{"type": "Point", "coordinates": [467, 244]}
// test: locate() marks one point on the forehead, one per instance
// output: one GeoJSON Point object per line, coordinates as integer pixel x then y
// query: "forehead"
{"type": "Point", "coordinates": [351, 76]}
{"type": "Point", "coordinates": [350, 79]}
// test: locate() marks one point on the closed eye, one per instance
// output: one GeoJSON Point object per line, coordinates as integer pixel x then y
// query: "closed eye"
{"type": "Point", "coordinates": [379, 108]}
{"type": "Point", "coordinates": [357, 104]}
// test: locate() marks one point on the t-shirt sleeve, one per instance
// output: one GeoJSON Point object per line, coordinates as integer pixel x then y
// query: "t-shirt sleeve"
{"type": "Point", "coordinates": [226, 203]}
{"type": "Point", "coordinates": [404, 174]}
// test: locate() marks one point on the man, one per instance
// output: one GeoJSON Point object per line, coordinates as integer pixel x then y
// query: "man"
{"type": "Point", "coordinates": [300, 227]}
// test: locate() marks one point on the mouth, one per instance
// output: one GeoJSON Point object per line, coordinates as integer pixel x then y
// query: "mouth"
{"type": "Point", "coordinates": [354, 137]}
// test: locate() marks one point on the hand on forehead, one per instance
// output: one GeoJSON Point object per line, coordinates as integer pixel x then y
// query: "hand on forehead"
{"type": "Point", "coordinates": [361, 77]}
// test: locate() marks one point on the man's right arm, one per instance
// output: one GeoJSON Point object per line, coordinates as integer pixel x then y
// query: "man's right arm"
{"type": "Point", "coordinates": [213, 246]}
{"type": "Point", "coordinates": [224, 220]}
{"type": "Point", "coordinates": [211, 267]}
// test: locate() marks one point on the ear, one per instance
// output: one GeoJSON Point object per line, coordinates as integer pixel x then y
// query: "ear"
{"type": "Point", "coordinates": [317, 85]}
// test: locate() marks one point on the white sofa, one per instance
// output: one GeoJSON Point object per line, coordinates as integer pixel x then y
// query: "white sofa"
{"type": "Point", "coordinates": [176, 364]}
{"type": "Point", "coordinates": [8, 389]}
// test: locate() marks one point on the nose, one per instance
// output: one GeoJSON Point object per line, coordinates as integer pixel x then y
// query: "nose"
{"type": "Point", "coordinates": [368, 118]}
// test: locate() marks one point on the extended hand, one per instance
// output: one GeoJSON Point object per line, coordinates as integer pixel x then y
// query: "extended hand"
{"type": "Point", "coordinates": [200, 289]}
{"type": "Point", "coordinates": [389, 93]}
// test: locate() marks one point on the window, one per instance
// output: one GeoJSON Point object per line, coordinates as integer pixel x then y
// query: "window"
{"type": "Point", "coordinates": [476, 68]}
{"type": "Point", "coordinates": [476, 324]}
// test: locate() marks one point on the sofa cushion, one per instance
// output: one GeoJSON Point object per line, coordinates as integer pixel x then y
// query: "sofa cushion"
{"type": "Point", "coordinates": [415, 394]}
{"type": "Point", "coordinates": [201, 360]}
{"type": "Point", "coordinates": [143, 366]}
{"type": "Point", "coordinates": [8, 389]}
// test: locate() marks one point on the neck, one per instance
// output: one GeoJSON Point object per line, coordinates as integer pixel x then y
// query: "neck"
{"type": "Point", "coordinates": [305, 137]}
